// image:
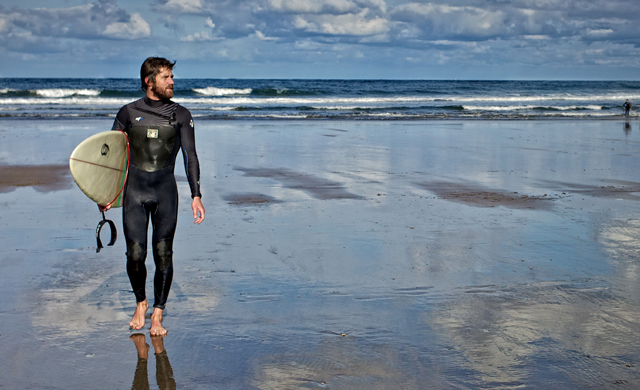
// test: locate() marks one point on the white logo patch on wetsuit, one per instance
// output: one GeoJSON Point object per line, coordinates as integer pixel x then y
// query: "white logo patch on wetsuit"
{"type": "Point", "coordinates": [152, 133]}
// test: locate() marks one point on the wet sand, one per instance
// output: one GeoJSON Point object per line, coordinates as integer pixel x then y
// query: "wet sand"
{"type": "Point", "coordinates": [40, 177]}
{"type": "Point", "coordinates": [339, 255]}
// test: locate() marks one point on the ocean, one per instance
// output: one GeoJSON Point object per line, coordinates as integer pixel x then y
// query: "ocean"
{"type": "Point", "coordinates": [225, 99]}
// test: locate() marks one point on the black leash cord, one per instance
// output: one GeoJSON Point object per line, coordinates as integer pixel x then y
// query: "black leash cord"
{"type": "Point", "coordinates": [114, 232]}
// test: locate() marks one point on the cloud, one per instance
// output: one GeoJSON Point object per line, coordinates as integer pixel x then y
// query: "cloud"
{"type": "Point", "coordinates": [171, 23]}
{"type": "Point", "coordinates": [347, 24]}
{"type": "Point", "coordinates": [436, 21]}
{"type": "Point", "coordinates": [313, 6]}
{"type": "Point", "coordinates": [438, 32]}
{"type": "Point", "coordinates": [476, 33]}
{"type": "Point", "coordinates": [180, 6]}
{"type": "Point", "coordinates": [202, 36]}
{"type": "Point", "coordinates": [5, 24]}
{"type": "Point", "coordinates": [100, 20]}
{"type": "Point", "coordinates": [25, 42]}
{"type": "Point", "coordinates": [135, 28]}
{"type": "Point", "coordinates": [262, 37]}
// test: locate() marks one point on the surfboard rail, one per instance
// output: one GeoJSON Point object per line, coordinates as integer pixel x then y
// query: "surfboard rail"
{"type": "Point", "coordinates": [100, 167]}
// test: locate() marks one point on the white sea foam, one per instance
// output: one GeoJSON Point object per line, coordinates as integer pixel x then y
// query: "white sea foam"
{"type": "Point", "coordinates": [272, 101]}
{"type": "Point", "coordinates": [213, 91]}
{"type": "Point", "coordinates": [541, 98]}
{"type": "Point", "coordinates": [65, 92]}
{"type": "Point", "coordinates": [388, 115]}
{"type": "Point", "coordinates": [582, 114]}
{"type": "Point", "coordinates": [400, 99]}
{"type": "Point", "coordinates": [530, 107]}
{"type": "Point", "coordinates": [273, 116]}
{"type": "Point", "coordinates": [72, 101]}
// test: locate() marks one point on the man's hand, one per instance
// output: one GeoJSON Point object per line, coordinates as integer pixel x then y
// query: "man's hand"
{"type": "Point", "coordinates": [198, 208]}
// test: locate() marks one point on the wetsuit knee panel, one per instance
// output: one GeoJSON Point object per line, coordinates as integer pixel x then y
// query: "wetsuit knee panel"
{"type": "Point", "coordinates": [136, 252]}
{"type": "Point", "coordinates": [163, 254]}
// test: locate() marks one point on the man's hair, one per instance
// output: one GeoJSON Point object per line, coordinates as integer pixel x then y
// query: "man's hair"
{"type": "Point", "coordinates": [151, 67]}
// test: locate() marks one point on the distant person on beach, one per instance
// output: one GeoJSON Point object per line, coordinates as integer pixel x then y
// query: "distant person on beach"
{"type": "Point", "coordinates": [158, 129]}
{"type": "Point", "coordinates": [627, 107]}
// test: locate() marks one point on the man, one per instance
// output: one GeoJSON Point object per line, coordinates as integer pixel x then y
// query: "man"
{"type": "Point", "coordinates": [627, 107]}
{"type": "Point", "coordinates": [157, 128]}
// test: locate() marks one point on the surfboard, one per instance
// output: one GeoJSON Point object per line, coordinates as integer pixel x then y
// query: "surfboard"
{"type": "Point", "coordinates": [99, 166]}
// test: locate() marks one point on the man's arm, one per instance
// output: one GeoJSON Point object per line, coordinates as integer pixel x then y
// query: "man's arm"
{"type": "Point", "coordinates": [191, 163]}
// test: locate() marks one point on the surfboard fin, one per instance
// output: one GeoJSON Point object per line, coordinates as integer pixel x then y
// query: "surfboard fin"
{"type": "Point", "coordinates": [114, 232]}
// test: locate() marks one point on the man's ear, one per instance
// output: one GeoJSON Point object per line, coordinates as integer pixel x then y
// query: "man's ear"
{"type": "Point", "coordinates": [146, 81]}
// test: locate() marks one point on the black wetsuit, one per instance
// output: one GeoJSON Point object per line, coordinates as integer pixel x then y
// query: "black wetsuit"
{"type": "Point", "coordinates": [157, 130]}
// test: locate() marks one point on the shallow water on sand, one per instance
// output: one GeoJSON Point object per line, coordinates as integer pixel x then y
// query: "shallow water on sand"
{"type": "Point", "coordinates": [342, 255]}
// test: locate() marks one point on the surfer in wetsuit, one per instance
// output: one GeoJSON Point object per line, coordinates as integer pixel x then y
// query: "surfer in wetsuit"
{"type": "Point", "coordinates": [158, 129]}
{"type": "Point", "coordinates": [627, 107]}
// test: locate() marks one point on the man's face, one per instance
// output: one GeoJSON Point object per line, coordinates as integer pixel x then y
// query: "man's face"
{"type": "Point", "coordinates": [162, 88]}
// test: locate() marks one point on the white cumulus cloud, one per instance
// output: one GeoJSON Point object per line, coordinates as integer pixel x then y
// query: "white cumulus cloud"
{"type": "Point", "coordinates": [348, 24]}
{"type": "Point", "coordinates": [313, 6]}
{"type": "Point", "coordinates": [202, 36]}
{"type": "Point", "coordinates": [181, 6]}
{"type": "Point", "coordinates": [102, 19]}
{"type": "Point", "coordinates": [135, 28]}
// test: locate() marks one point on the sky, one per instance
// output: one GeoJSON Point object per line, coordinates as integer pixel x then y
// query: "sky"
{"type": "Point", "coordinates": [324, 39]}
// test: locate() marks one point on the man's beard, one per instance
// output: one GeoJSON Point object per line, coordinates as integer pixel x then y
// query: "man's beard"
{"type": "Point", "coordinates": [162, 93]}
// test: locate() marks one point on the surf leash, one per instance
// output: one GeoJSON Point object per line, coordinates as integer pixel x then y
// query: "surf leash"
{"type": "Point", "coordinates": [114, 232]}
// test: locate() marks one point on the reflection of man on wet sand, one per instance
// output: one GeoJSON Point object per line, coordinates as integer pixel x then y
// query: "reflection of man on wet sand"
{"type": "Point", "coordinates": [164, 372]}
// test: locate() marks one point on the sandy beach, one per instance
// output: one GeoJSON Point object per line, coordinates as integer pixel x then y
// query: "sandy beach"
{"type": "Point", "coordinates": [339, 255]}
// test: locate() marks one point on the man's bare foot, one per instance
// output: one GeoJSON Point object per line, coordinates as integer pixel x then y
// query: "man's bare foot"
{"type": "Point", "coordinates": [141, 345]}
{"type": "Point", "coordinates": [156, 323]}
{"type": "Point", "coordinates": [137, 322]}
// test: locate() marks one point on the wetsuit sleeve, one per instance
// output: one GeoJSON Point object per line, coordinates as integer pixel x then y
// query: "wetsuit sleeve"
{"type": "Point", "coordinates": [188, 142]}
{"type": "Point", "coordinates": [122, 119]}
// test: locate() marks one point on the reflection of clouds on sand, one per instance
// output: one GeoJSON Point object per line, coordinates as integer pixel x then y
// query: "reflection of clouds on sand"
{"type": "Point", "coordinates": [494, 344]}
{"type": "Point", "coordinates": [79, 301]}
{"type": "Point", "coordinates": [578, 331]}
{"type": "Point", "coordinates": [440, 257]}
{"type": "Point", "coordinates": [87, 295]}
{"type": "Point", "coordinates": [194, 291]}
{"type": "Point", "coordinates": [621, 242]}
{"type": "Point", "coordinates": [621, 238]}
{"type": "Point", "coordinates": [347, 364]}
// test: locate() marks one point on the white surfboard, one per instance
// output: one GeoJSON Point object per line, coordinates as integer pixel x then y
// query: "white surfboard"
{"type": "Point", "coordinates": [99, 166]}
